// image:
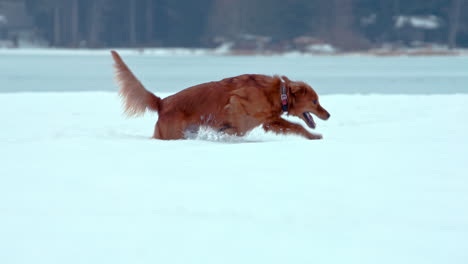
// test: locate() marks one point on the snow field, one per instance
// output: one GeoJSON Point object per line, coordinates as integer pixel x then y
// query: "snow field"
{"type": "Point", "coordinates": [80, 183]}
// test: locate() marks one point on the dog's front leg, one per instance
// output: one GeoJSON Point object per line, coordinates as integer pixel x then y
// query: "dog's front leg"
{"type": "Point", "coordinates": [282, 126]}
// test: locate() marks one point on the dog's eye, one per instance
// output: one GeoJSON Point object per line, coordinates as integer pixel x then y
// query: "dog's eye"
{"type": "Point", "coordinates": [314, 101]}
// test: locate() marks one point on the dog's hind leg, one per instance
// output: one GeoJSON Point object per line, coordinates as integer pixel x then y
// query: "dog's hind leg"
{"type": "Point", "coordinates": [167, 130]}
{"type": "Point", "coordinates": [282, 126]}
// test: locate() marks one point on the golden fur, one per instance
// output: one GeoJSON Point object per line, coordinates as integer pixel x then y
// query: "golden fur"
{"type": "Point", "coordinates": [233, 105]}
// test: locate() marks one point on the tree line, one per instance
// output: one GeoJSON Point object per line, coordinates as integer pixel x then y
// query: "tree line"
{"type": "Point", "coordinates": [348, 24]}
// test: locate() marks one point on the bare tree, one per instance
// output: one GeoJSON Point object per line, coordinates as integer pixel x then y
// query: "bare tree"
{"type": "Point", "coordinates": [149, 20]}
{"type": "Point", "coordinates": [132, 22]}
{"type": "Point", "coordinates": [343, 19]}
{"type": "Point", "coordinates": [57, 26]}
{"type": "Point", "coordinates": [66, 22]}
{"type": "Point", "coordinates": [74, 23]}
{"type": "Point", "coordinates": [454, 19]}
{"type": "Point", "coordinates": [95, 24]}
{"type": "Point", "coordinates": [223, 23]}
{"type": "Point", "coordinates": [342, 32]}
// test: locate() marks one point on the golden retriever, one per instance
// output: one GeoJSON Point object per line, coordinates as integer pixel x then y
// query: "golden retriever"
{"type": "Point", "coordinates": [233, 105]}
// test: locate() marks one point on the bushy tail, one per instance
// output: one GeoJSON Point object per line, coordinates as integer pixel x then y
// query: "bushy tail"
{"type": "Point", "coordinates": [135, 97]}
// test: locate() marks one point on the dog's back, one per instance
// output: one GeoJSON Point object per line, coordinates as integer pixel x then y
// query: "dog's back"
{"type": "Point", "coordinates": [212, 97]}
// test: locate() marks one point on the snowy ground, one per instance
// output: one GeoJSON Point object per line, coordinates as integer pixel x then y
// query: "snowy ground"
{"type": "Point", "coordinates": [79, 183]}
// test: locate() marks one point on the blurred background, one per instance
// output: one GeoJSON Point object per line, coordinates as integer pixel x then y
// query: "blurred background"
{"type": "Point", "coordinates": [244, 26]}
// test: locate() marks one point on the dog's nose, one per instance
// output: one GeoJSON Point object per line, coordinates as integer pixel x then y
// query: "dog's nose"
{"type": "Point", "coordinates": [328, 116]}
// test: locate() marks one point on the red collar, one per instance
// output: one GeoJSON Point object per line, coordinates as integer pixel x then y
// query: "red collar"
{"type": "Point", "coordinates": [284, 96]}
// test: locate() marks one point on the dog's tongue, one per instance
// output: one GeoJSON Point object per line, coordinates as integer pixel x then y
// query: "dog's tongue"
{"type": "Point", "coordinates": [309, 120]}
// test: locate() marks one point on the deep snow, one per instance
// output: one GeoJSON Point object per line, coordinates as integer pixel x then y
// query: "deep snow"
{"type": "Point", "coordinates": [80, 183]}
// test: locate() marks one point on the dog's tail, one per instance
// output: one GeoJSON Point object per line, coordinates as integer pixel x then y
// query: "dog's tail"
{"type": "Point", "coordinates": [135, 97]}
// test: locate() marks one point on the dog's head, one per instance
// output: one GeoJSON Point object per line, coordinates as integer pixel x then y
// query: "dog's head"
{"type": "Point", "coordinates": [304, 101]}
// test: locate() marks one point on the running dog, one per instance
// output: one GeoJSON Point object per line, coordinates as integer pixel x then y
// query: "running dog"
{"type": "Point", "coordinates": [233, 105]}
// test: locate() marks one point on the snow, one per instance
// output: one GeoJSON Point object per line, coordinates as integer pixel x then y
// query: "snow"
{"type": "Point", "coordinates": [224, 48]}
{"type": "Point", "coordinates": [423, 22]}
{"type": "Point", "coordinates": [80, 183]}
{"type": "Point", "coordinates": [321, 48]}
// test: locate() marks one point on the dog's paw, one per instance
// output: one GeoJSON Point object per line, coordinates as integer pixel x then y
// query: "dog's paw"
{"type": "Point", "coordinates": [314, 136]}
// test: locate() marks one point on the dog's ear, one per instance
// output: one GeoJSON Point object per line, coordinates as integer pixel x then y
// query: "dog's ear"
{"type": "Point", "coordinates": [286, 79]}
{"type": "Point", "coordinates": [296, 88]}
